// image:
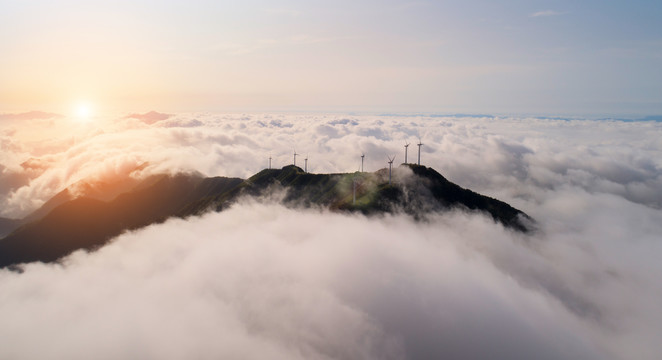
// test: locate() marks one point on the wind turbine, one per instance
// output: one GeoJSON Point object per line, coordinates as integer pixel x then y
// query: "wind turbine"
{"type": "Point", "coordinates": [362, 156]}
{"type": "Point", "coordinates": [406, 148]}
{"type": "Point", "coordinates": [295, 157]}
{"type": "Point", "coordinates": [419, 150]}
{"type": "Point", "coordinates": [390, 164]}
{"type": "Point", "coordinates": [269, 162]}
{"type": "Point", "coordinates": [305, 166]}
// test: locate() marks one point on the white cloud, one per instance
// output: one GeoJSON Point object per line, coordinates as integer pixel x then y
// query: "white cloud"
{"type": "Point", "coordinates": [263, 279]}
{"type": "Point", "coordinates": [516, 160]}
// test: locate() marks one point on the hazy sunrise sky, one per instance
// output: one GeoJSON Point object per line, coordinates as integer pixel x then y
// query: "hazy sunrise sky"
{"type": "Point", "coordinates": [515, 56]}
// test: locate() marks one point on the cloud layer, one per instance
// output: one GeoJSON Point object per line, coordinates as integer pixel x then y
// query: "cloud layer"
{"type": "Point", "coordinates": [515, 159]}
{"type": "Point", "coordinates": [262, 280]}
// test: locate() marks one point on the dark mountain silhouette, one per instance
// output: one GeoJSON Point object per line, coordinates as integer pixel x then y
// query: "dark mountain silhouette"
{"type": "Point", "coordinates": [415, 190]}
{"type": "Point", "coordinates": [98, 190]}
{"type": "Point", "coordinates": [85, 223]}
{"type": "Point", "coordinates": [8, 225]}
{"type": "Point", "coordinates": [66, 224]}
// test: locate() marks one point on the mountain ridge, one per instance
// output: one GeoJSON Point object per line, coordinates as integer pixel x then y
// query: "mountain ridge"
{"type": "Point", "coordinates": [88, 223]}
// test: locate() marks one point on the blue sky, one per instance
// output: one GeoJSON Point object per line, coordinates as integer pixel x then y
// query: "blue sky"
{"type": "Point", "coordinates": [540, 57]}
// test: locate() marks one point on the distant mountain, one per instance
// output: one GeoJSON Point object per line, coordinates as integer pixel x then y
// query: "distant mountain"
{"type": "Point", "coordinates": [656, 118]}
{"type": "Point", "coordinates": [149, 117]}
{"type": "Point", "coordinates": [68, 223]}
{"type": "Point", "coordinates": [98, 190]}
{"type": "Point", "coordinates": [31, 115]}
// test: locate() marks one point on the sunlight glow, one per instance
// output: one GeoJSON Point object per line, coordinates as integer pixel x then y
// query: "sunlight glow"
{"type": "Point", "coordinates": [83, 112]}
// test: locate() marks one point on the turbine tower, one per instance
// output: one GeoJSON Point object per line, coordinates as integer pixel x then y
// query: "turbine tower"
{"type": "Point", "coordinates": [390, 164]}
{"type": "Point", "coordinates": [269, 162]}
{"type": "Point", "coordinates": [419, 150]}
{"type": "Point", "coordinates": [295, 157]}
{"type": "Point", "coordinates": [362, 156]}
{"type": "Point", "coordinates": [305, 162]}
{"type": "Point", "coordinates": [406, 148]}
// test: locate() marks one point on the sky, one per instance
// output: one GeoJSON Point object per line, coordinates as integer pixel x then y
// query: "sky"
{"type": "Point", "coordinates": [506, 57]}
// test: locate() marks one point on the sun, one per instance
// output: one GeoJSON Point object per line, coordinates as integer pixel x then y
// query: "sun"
{"type": "Point", "coordinates": [83, 112]}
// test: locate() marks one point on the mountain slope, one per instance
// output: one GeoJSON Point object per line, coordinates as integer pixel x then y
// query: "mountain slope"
{"type": "Point", "coordinates": [8, 225]}
{"type": "Point", "coordinates": [415, 190]}
{"type": "Point", "coordinates": [88, 223]}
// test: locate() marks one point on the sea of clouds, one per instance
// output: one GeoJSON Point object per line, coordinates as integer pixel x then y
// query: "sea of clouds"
{"type": "Point", "coordinates": [261, 280]}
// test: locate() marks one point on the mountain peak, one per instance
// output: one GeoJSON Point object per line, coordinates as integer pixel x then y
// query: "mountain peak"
{"type": "Point", "coordinates": [414, 189]}
{"type": "Point", "coordinates": [87, 223]}
{"type": "Point", "coordinates": [424, 171]}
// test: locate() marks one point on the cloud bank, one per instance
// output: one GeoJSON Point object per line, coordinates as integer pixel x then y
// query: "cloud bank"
{"type": "Point", "coordinates": [262, 279]}
{"type": "Point", "coordinates": [518, 160]}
